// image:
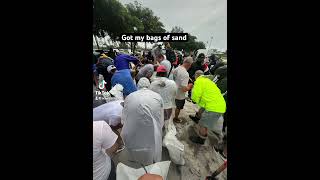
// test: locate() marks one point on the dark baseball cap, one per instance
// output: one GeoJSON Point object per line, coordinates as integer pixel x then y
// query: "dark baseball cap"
{"type": "Point", "coordinates": [201, 55]}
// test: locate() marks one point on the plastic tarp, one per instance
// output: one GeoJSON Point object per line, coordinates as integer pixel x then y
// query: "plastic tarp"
{"type": "Point", "coordinates": [167, 90]}
{"type": "Point", "coordinates": [127, 173]}
{"type": "Point", "coordinates": [143, 120]}
{"type": "Point", "coordinates": [109, 112]}
{"type": "Point", "coordinates": [143, 83]}
{"type": "Point", "coordinates": [117, 91]}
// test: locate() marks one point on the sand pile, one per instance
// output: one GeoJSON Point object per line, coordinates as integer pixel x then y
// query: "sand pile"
{"type": "Point", "coordinates": [200, 160]}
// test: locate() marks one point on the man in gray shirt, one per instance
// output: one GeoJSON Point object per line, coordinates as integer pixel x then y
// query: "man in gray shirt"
{"type": "Point", "coordinates": [181, 78]}
{"type": "Point", "coordinates": [146, 71]}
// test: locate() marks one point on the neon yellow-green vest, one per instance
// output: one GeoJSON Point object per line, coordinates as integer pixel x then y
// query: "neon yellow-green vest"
{"type": "Point", "coordinates": [207, 95]}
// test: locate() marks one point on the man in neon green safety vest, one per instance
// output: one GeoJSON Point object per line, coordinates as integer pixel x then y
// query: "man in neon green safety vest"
{"type": "Point", "coordinates": [212, 107]}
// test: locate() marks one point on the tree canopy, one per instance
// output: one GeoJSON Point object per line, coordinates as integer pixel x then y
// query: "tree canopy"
{"type": "Point", "coordinates": [111, 17]}
{"type": "Point", "coordinates": [177, 29]}
{"type": "Point", "coordinates": [150, 22]}
{"type": "Point", "coordinates": [191, 45]}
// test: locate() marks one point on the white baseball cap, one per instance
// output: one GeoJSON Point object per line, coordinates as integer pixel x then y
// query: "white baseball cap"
{"type": "Point", "coordinates": [111, 67]}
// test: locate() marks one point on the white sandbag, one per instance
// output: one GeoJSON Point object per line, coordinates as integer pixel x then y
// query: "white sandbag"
{"type": "Point", "coordinates": [127, 173]}
{"type": "Point", "coordinates": [117, 91]}
{"type": "Point", "coordinates": [174, 146]}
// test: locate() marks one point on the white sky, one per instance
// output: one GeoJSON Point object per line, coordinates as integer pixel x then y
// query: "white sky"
{"type": "Point", "coordinates": [202, 18]}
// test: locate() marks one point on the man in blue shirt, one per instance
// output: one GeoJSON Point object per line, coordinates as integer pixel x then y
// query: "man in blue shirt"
{"type": "Point", "coordinates": [123, 75]}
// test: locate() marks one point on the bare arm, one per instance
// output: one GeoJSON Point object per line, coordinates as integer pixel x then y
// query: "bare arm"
{"type": "Point", "coordinates": [186, 88]}
{"type": "Point", "coordinates": [111, 151]}
{"type": "Point", "coordinates": [109, 140]}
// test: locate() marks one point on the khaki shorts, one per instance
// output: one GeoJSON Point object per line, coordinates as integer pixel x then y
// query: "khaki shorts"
{"type": "Point", "coordinates": [213, 121]}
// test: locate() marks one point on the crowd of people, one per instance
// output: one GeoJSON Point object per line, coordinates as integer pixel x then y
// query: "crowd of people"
{"type": "Point", "coordinates": [141, 92]}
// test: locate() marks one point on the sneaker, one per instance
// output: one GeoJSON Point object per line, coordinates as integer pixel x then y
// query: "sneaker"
{"type": "Point", "coordinates": [194, 119]}
{"type": "Point", "coordinates": [197, 140]}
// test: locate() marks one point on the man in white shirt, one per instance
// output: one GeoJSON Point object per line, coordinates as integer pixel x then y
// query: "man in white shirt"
{"type": "Point", "coordinates": [104, 146]}
{"type": "Point", "coordinates": [142, 125]}
{"type": "Point", "coordinates": [166, 88]}
{"type": "Point", "coordinates": [181, 77]}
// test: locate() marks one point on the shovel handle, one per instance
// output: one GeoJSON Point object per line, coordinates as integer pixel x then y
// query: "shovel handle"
{"type": "Point", "coordinates": [218, 171]}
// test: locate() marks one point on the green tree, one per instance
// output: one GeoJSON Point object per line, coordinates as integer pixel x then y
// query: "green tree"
{"type": "Point", "coordinates": [150, 22]}
{"type": "Point", "coordinates": [191, 45]}
{"type": "Point", "coordinates": [177, 29]}
{"type": "Point", "coordinates": [200, 45]}
{"type": "Point", "coordinates": [110, 16]}
{"type": "Point", "coordinates": [123, 45]}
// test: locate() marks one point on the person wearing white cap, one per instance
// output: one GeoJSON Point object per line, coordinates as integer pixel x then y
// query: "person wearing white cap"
{"type": "Point", "coordinates": [111, 69]}
{"type": "Point", "coordinates": [143, 120]}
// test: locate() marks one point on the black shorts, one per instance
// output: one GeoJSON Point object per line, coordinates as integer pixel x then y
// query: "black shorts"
{"type": "Point", "coordinates": [180, 103]}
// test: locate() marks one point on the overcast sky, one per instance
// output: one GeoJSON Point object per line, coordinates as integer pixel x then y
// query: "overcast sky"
{"type": "Point", "coordinates": [202, 18]}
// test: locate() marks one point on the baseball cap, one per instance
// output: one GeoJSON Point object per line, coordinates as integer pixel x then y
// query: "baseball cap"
{"type": "Point", "coordinates": [161, 68]}
{"type": "Point", "coordinates": [111, 67]}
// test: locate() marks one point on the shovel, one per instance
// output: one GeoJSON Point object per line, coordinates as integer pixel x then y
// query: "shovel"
{"type": "Point", "coordinates": [217, 172]}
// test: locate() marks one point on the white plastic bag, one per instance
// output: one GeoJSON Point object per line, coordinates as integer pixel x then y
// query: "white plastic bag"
{"type": "Point", "coordinates": [117, 91]}
{"type": "Point", "coordinates": [174, 146]}
{"type": "Point", "coordinates": [127, 173]}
